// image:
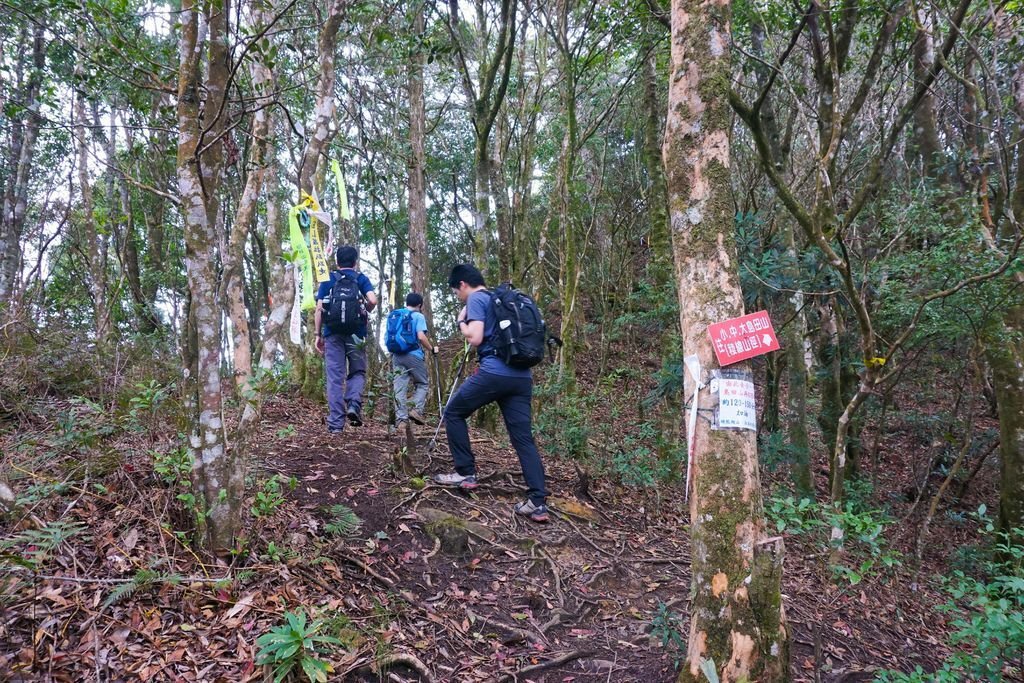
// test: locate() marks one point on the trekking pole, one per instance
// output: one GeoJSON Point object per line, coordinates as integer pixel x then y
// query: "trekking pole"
{"type": "Point", "coordinates": [458, 376]}
{"type": "Point", "coordinates": [437, 376]}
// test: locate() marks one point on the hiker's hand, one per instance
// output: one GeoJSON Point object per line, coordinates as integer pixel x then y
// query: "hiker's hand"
{"type": "Point", "coordinates": [319, 345]}
{"type": "Point", "coordinates": [462, 314]}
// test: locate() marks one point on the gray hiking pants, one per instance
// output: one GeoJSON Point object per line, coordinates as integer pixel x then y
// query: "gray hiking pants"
{"type": "Point", "coordinates": [344, 386]}
{"type": "Point", "coordinates": [406, 367]}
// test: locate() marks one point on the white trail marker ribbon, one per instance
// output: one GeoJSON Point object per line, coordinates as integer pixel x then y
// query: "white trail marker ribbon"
{"type": "Point", "coordinates": [692, 363]}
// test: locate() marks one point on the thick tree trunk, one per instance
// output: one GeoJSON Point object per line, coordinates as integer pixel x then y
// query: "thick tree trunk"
{"type": "Point", "coordinates": [659, 266]}
{"type": "Point", "coordinates": [218, 472]}
{"type": "Point", "coordinates": [419, 257]}
{"type": "Point", "coordinates": [24, 133]}
{"type": "Point", "coordinates": [925, 145]}
{"type": "Point", "coordinates": [1005, 355]}
{"type": "Point", "coordinates": [737, 620]}
{"type": "Point", "coordinates": [481, 209]}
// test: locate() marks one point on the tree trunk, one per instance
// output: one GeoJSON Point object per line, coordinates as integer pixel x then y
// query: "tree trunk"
{"type": "Point", "coordinates": [1005, 355]}
{"type": "Point", "coordinates": [659, 266]}
{"type": "Point", "coordinates": [24, 133]}
{"type": "Point", "coordinates": [737, 619]}
{"type": "Point", "coordinates": [218, 472]}
{"type": "Point", "coordinates": [91, 242]}
{"type": "Point", "coordinates": [796, 396]}
{"type": "Point", "coordinates": [233, 272]}
{"type": "Point", "coordinates": [502, 212]}
{"type": "Point", "coordinates": [925, 146]}
{"type": "Point", "coordinates": [485, 99]}
{"type": "Point", "coordinates": [570, 268]}
{"type": "Point", "coordinates": [323, 110]}
{"type": "Point", "coordinates": [309, 370]}
{"type": "Point", "coordinates": [419, 257]}
{"type": "Point", "coordinates": [282, 286]}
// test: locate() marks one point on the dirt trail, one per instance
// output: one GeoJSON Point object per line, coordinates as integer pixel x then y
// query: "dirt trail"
{"type": "Point", "coordinates": [486, 592]}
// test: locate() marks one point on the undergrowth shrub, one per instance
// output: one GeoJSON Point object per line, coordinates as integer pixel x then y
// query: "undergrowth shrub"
{"type": "Point", "coordinates": [986, 604]}
{"type": "Point", "coordinates": [867, 552]}
{"type": "Point", "coordinates": [296, 644]}
{"type": "Point", "coordinates": [563, 420]}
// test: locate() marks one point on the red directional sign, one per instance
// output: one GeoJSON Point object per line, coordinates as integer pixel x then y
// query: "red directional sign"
{"type": "Point", "coordinates": [742, 338]}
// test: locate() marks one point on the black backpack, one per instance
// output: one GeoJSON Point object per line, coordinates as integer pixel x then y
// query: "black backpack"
{"type": "Point", "coordinates": [343, 307]}
{"type": "Point", "coordinates": [520, 334]}
{"type": "Point", "coordinates": [400, 336]}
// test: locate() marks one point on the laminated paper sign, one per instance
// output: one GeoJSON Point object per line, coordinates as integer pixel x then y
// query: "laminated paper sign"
{"type": "Point", "coordinates": [736, 406]}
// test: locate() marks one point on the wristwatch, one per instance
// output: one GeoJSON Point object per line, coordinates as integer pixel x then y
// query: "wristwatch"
{"type": "Point", "coordinates": [463, 322]}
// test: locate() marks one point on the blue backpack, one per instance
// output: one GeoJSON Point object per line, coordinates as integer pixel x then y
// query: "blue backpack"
{"type": "Point", "coordinates": [401, 336]}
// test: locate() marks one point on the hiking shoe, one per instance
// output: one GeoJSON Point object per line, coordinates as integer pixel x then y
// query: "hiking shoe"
{"type": "Point", "coordinates": [335, 430]}
{"type": "Point", "coordinates": [417, 417]}
{"type": "Point", "coordinates": [538, 513]}
{"type": "Point", "coordinates": [455, 479]}
{"type": "Point", "coordinates": [354, 416]}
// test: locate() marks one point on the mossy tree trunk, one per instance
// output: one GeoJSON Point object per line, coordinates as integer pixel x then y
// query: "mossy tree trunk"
{"type": "Point", "coordinates": [419, 258]}
{"type": "Point", "coordinates": [218, 472]}
{"type": "Point", "coordinates": [1005, 355]}
{"type": "Point", "coordinates": [737, 620]}
{"type": "Point", "coordinates": [1006, 358]}
{"type": "Point", "coordinates": [485, 95]}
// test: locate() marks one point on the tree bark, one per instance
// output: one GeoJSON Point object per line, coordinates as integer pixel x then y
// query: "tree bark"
{"type": "Point", "coordinates": [1005, 355]}
{"type": "Point", "coordinates": [24, 134]}
{"type": "Point", "coordinates": [419, 257]}
{"type": "Point", "coordinates": [737, 619]}
{"type": "Point", "coordinates": [322, 127]}
{"type": "Point", "coordinates": [925, 146]}
{"type": "Point", "coordinates": [218, 472]}
{"type": "Point", "coordinates": [91, 242]}
{"type": "Point", "coordinates": [233, 271]}
{"type": "Point", "coordinates": [659, 267]}
{"type": "Point", "coordinates": [484, 99]}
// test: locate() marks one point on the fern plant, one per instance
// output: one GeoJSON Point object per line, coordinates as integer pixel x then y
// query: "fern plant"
{"type": "Point", "coordinates": [296, 644]}
{"type": "Point", "coordinates": [143, 578]}
{"type": "Point", "coordinates": [34, 546]}
{"type": "Point", "coordinates": [344, 522]}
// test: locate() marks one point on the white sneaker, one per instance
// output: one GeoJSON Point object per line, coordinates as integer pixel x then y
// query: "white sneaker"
{"type": "Point", "coordinates": [456, 479]}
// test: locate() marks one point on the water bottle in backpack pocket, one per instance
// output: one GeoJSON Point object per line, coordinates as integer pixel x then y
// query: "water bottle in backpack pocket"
{"type": "Point", "coordinates": [401, 334]}
{"type": "Point", "coordinates": [344, 311]}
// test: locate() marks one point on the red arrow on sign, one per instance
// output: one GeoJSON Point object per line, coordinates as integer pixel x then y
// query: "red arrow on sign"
{"type": "Point", "coordinates": [742, 338]}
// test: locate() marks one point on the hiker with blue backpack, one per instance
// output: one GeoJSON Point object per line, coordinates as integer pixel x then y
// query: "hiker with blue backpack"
{"type": "Point", "coordinates": [506, 328]}
{"type": "Point", "coordinates": [406, 334]}
{"type": "Point", "coordinates": [343, 304]}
